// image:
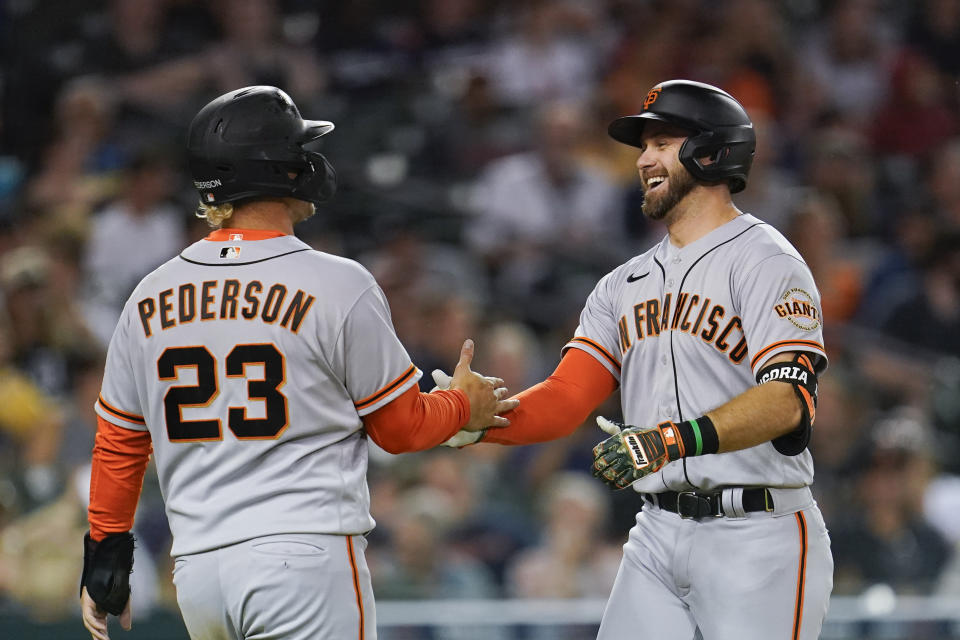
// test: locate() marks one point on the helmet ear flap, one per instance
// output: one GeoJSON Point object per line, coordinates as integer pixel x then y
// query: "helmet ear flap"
{"type": "Point", "coordinates": [320, 181]}
{"type": "Point", "coordinates": [730, 152]}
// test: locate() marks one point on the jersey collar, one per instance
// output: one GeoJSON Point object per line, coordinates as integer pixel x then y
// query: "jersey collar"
{"type": "Point", "coordinates": [717, 236]}
{"type": "Point", "coordinates": [234, 235]}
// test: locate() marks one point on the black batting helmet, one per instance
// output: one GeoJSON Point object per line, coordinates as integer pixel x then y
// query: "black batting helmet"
{"type": "Point", "coordinates": [720, 129]}
{"type": "Point", "coordinates": [248, 142]}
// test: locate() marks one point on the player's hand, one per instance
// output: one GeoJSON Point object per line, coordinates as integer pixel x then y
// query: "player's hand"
{"type": "Point", "coordinates": [441, 380]}
{"type": "Point", "coordinates": [95, 618]}
{"type": "Point", "coordinates": [630, 453]}
{"type": "Point", "coordinates": [484, 393]}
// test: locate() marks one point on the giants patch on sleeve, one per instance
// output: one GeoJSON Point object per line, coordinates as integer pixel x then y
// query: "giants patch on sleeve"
{"type": "Point", "coordinates": [797, 306]}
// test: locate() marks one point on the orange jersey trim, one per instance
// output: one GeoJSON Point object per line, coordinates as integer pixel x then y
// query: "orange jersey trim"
{"type": "Point", "coordinates": [417, 421]}
{"type": "Point", "coordinates": [801, 576]}
{"type": "Point", "coordinates": [816, 346]}
{"type": "Point", "coordinates": [120, 459]}
{"type": "Point", "coordinates": [558, 405]}
{"type": "Point", "coordinates": [606, 354]}
{"type": "Point", "coordinates": [372, 399]}
{"type": "Point", "coordinates": [120, 414]}
{"type": "Point", "coordinates": [356, 582]}
{"type": "Point", "coordinates": [223, 235]}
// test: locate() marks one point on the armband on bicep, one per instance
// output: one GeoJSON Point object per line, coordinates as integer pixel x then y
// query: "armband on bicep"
{"type": "Point", "coordinates": [801, 375]}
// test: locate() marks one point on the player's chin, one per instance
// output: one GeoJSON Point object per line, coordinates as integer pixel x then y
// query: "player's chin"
{"type": "Point", "coordinates": [653, 208]}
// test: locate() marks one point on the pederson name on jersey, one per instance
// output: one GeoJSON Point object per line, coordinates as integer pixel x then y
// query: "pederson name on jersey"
{"type": "Point", "coordinates": [224, 300]}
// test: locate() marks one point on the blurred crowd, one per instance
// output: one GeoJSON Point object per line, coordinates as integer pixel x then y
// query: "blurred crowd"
{"type": "Point", "coordinates": [479, 186]}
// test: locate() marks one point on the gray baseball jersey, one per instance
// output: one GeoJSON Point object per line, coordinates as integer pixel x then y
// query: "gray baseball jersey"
{"type": "Point", "coordinates": [685, 330]}
{"type": "Point", "coordinates": [251, 361]}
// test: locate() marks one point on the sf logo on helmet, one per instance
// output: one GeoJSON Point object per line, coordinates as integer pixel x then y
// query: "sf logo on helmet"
{"type": "Point", "coordinates": [652, 96]}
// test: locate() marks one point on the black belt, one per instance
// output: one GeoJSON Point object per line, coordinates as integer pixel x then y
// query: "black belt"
{"type": "Point", "coordinates": [697, 504]}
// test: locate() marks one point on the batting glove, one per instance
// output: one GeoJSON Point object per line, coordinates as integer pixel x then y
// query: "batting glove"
{"type": "Point", "coordinates": [461, 438]}
{"type": "Point", "coordinates": [630, 453]}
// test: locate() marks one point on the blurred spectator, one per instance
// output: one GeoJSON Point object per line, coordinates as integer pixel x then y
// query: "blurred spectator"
{"type": "Point", "coordinates": [896, 272]}
{"type": "Point", "coordinates": [80, 422]}
{"type": "Point", "coordinates": [543, 60]}
{"type": "Point", "coordinates": [848, 57]}
{"type": "Point", "coordinates": [511, 349]}
{"type": "Point", "coordinates": [930, 317]}
{"type": "Point", "coordinates": [887, 539]}
{"type": "Point", "coordinates": [771, 191]}
{"type": "Point", "coordinates": [452, 41]}
{"type": "Point", "coordinates": [78, 167]}
{"type": "Point", "coordinates": [129, 36]}
{"type": "Point", "coordinates": [839, 165]}
{"type": "Point", "coordinates": [471, 132]}
{"type": "Point", "coordinates": [815, 228]}
{"type": "Point", "coordinates": [253, 51]}
{"type": "Point", "coordinates": [420, 566]}
{"type": "Point", "coordinates": [443, 318]}
{"type": "Point", "coordinates": [532, 208]}
{"type": "Point", "coordinates": [836, 441]}
{"type": "Point", "coordinates": [916, 116]}
{"type": "Point", "coordinates": [130, 237]}
{"type": "Point", "coordinates": [31, 426]}
{"type": "Point", "coordinates": [935, 30]}
{"type": "Point", "coordinates": [45, 329]}
{"type": "Point", "coordinates": [572, 560]}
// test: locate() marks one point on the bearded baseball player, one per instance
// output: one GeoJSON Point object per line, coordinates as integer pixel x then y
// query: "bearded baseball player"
{"type": "Point", "coordinates": [254, 368]}
{"type": "Point", "coordinates": [715, 338]}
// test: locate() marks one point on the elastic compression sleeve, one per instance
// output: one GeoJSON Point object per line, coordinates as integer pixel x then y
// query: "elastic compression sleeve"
{"type": "Point", "coordinates": [558, 405]}
{"type": "Point", "coordinates": [416, 421]}
{"type": "Point", "coordinates": [120, 459]}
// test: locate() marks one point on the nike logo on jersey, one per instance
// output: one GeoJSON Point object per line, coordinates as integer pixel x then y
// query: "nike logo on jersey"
{"type": "Point", "coordinates": [633, 278]}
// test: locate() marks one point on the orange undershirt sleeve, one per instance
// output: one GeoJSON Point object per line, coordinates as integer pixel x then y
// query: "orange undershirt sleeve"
{"type": "Point", "coordinates": [120, 459]}
{"type": "Point", "coordinates": [558, 405]}
{"type": "Point", "coordinates": [417, 421]}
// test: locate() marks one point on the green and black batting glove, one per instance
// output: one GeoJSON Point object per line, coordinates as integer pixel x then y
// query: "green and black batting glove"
{"type": "Point", "coordinates": [631, 453]}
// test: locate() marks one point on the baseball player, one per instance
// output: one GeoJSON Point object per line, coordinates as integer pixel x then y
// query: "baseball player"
{"type": "Point", "coordinates": [715, 339]}
{"type": "Point", "coordinates": [254, 368]}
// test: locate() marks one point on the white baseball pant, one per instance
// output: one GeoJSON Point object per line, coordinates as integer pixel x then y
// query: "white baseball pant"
{"type": "Point", "coordinates": [764, 576]}
{"type": "Point", "coordinates": [289, 587]}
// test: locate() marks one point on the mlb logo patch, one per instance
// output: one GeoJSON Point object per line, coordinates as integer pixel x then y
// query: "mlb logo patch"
{"type": "Point", "coordinates": [210, 197]}
{"type": "Point", "coordinates": [230, 252]}
{"type": "Point", "coordinates": [236, 237]}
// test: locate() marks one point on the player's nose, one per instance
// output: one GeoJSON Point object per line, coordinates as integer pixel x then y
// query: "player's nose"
{"type": "Point", "coordinates": [644, 160]}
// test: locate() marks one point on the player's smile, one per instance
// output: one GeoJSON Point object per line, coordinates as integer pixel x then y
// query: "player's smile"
{"type": "Point", "coordinates": [652, 183]}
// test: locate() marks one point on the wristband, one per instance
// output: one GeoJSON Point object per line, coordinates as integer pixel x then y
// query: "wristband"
{"type": "Point", "coordinates": [699, 436]}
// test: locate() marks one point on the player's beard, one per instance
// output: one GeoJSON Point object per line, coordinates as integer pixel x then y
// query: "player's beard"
{"type": "Point", "coordinates": [679, 184]}
{"type": "Point", "coordinates": [303, 210]}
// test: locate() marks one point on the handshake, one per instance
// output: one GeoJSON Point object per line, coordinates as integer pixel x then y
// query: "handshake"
{"type": "Point", "coordinates": [485, 393]}
{"type": "Point", "coordinates": [630, 453]}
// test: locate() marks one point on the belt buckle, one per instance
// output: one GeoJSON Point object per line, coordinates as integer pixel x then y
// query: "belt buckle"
{"type": "Point", "coordinates": [692, 505]}
{"type": "Point", "coordinates": [687, 504]}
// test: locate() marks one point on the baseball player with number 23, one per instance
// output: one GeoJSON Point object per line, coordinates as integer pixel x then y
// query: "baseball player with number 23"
{"type": "Point", "coordinates": [254, 368]}
{"type": "Point", "coordinates": [715, 339]}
